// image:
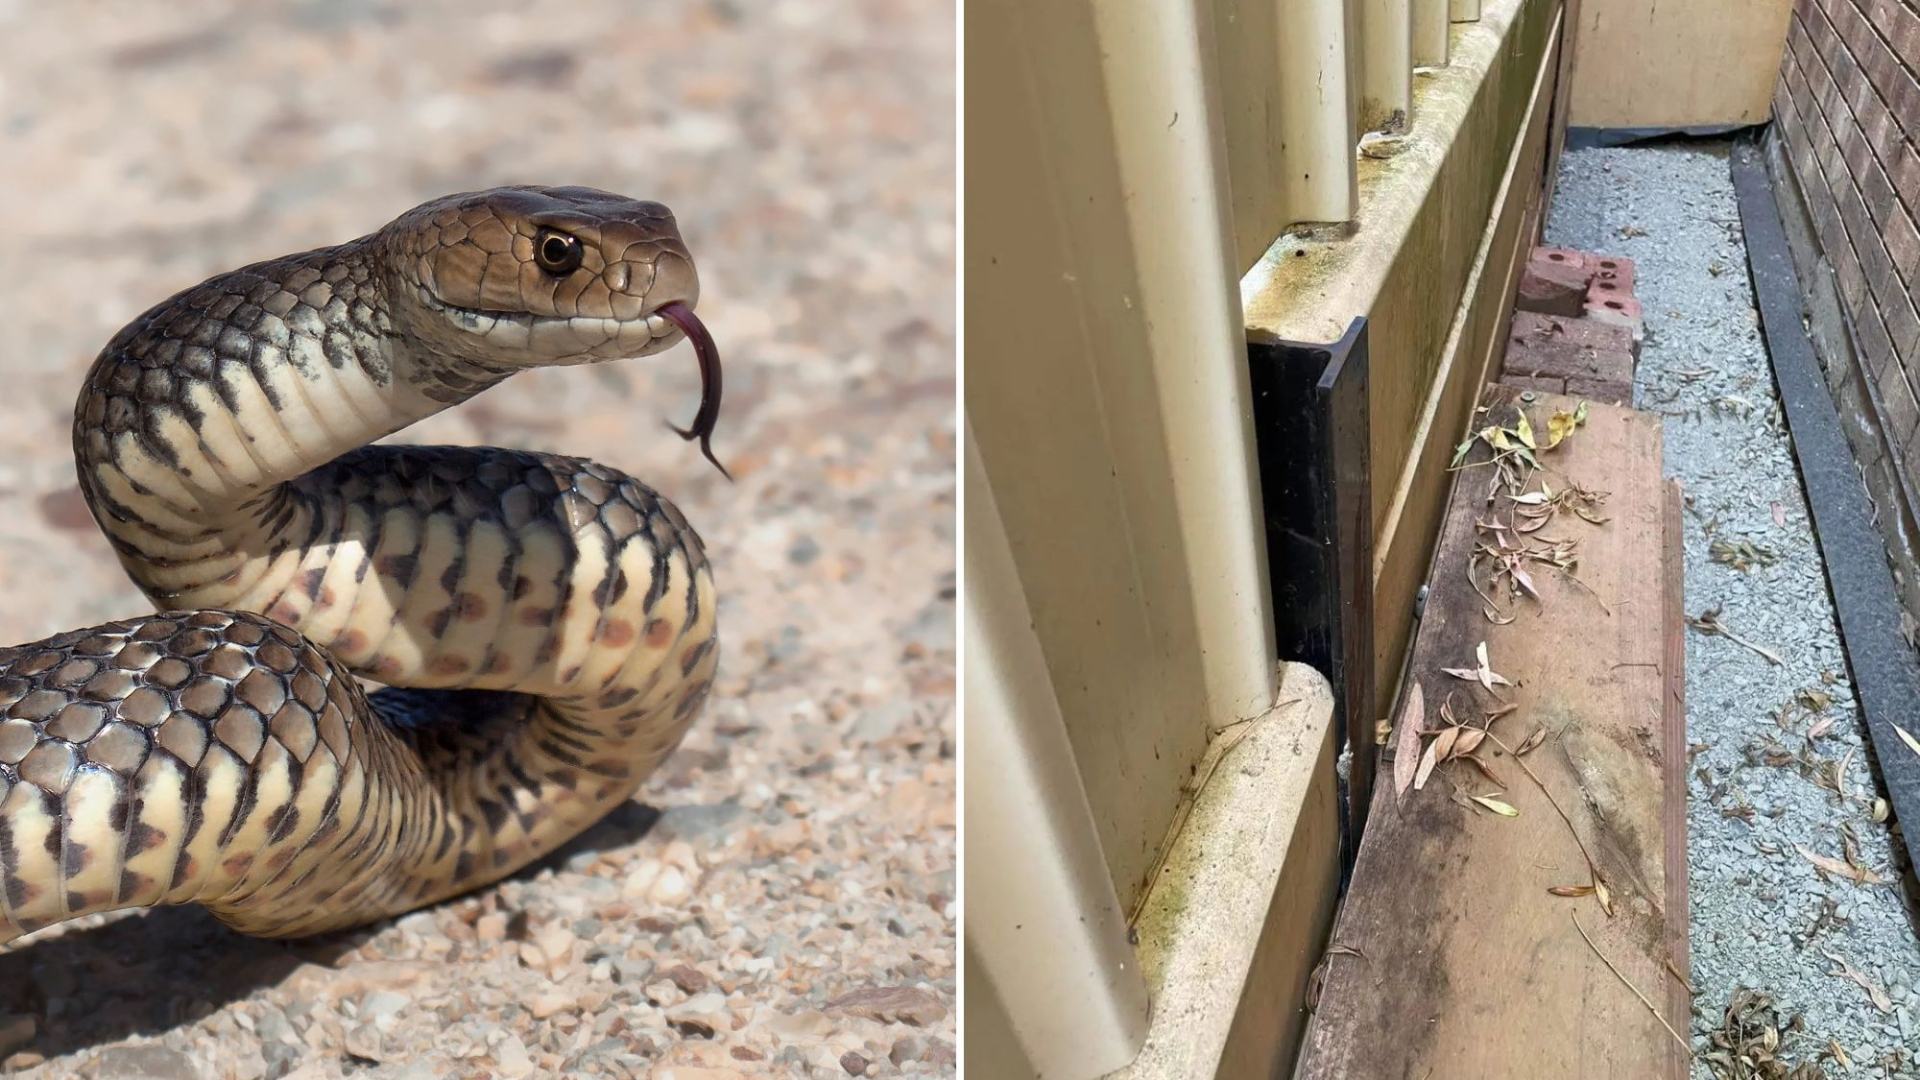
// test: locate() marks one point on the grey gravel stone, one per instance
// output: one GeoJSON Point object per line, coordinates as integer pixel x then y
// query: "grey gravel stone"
{"type": "Point", "coordinates": [145, 1062]}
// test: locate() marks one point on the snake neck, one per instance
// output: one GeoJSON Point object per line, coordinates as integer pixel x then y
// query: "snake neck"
{"type": "Point", "coordinates": [200, 410]}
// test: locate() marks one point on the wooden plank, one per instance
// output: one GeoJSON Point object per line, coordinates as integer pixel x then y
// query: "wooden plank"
{"type": "Point", "coordinates": [1655, 63]}
{"type": "Point", "coordinates": [1674, 752]}
{"type": "Point", "coordinates": [1460, 947]}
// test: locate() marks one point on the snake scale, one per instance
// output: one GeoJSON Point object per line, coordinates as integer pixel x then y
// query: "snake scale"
{"type": "Point", "coordinates": [543, 627]}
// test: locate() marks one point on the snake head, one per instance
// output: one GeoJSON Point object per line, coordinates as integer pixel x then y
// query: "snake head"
{"type": "Point", "coordinates": [517, 277]}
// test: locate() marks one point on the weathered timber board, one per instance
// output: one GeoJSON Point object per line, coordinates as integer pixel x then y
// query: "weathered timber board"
{"type": "Point", "coordinates": [1466, 966]}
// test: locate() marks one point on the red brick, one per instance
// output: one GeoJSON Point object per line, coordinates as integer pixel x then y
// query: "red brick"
{"type": "Point", "coordinates": [1902, 29]}
{"type": "Point", "coordinates": [1899, 409]}
{"type": "Point", "coordinates": [1622, 306]}
{"type": "Point", "coordinates": [1532, 328]}
{"type": "Point", "coordinates": [1537, 383]}
{"type": "Point", "coordinates": [1882, 283]}
{"type": "Point", "coordinates": [1877, 63]}
{"type": "Point", "coordinates": [1903, 327]}
{"type": "Point", "coordinates": [1603, 290]}
{"type": "Point", "coordinates": [1551, 287]}
{"type": "Point", "coordinates": [1847, 107]}
{"type": "Point", "coordinates": [1619, 312]}
{"type": "Point", "coordinates": [1601, 391]}
{"type": "Point", "coordinates": [1870, 336]}
{"type": "Point", "coordinates": [1616, 268]}
{"type": "Point", "coordinates": [1567, 257]}
{"type": "Point", "coordinates": [1562, 360]}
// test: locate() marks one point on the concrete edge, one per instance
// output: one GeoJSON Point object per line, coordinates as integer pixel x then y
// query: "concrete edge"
{"type": "Point", "coordinates": [1237, 914]}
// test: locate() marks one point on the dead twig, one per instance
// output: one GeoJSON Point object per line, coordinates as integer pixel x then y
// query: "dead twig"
{"type": "Point", "coordinates": [1593, 868]}
{"type": "Point", "coordinates": [1685, 1047]}
{"type": "Point", "coordinates": [1708, 622]}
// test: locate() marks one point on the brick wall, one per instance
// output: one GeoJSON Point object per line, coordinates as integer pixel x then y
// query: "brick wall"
{"type": "Point", "coordinates": [1847, 113]}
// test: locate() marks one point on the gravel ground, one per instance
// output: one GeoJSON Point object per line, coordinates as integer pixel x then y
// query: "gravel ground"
{"type": "Point", "coordinates": [1769, 741]}
{"type": "Point", "coordinates": [780, 899]}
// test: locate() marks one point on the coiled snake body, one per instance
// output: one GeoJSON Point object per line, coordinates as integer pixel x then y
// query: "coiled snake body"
{"type": "Point", "coordinates": [544, 625]}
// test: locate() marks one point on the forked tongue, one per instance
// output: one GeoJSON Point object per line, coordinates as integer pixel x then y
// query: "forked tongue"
{"type": "Point", "coordinates": [682, 316]}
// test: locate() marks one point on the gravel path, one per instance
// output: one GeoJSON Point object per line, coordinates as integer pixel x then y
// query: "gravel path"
{"type": "Point", "coordinates": [780, 900]}
{"type": "Point", "coordinates": [1771, 743]}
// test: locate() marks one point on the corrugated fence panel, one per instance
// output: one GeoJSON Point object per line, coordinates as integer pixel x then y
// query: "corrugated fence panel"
{"type": "Point", "coordinates": [1430, 21]}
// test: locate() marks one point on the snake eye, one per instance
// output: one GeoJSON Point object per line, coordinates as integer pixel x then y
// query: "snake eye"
{"type": "Point", "coordinates": [557, 253]}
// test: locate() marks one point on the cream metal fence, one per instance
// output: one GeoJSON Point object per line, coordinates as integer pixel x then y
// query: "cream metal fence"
{"type": "Point", "coordinates": [1127, 161]}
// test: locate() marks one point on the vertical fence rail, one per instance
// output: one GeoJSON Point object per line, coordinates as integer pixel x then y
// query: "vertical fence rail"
{"type": "Point", "coordinates": [1386, 64]}
{"type": "Point", "coordinates": [1312, 94]}
{"type": "Point", "coordinates": [1431, 19]}
{"type": "Point", "coordinates": [1043, 924]}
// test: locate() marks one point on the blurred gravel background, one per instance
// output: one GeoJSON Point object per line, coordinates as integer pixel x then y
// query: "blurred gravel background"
{"type": "Point", "coordinates": [1778, 758]}
{"type": "Point", "coordinates": [781, 899]}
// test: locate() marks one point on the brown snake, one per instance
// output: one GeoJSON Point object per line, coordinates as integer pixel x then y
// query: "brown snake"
{"type": "Point", "coordinates": [544, 625]}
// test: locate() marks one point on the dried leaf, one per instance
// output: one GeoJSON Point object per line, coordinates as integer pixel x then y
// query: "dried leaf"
{"type": "Point", "coordinates": [1468, 674]}
{"type": "Point", "coordinates": [1490, 678]}
{"type": "Point", "coordinates": [1443, 745]}
{"type": "Point", "coordinates": [1907, 737]}
{"type": "Point", "coordinates": [1821, 727]}
{"type": "Point", "coordinates": [1571, 890]}
{"type": "Point", "coordinates": [1531, 742]}
{"type": "Point", "coordinates": [1496, 806]}
{"type": "Point", "coordinates": [1486, 770]}
{"type": "Point", "coordinates": [1468, 741]}
{"type": "Point", "coordinates": [1859, 875]}
{"type": "Point", "coordinates": [1523, 430]}
{"type": "Point", "coordinates": [1531, 498]}
{"type": "Point", "coordinates": [1560, 425]}
{"type": "Point", "coordinates": [1427, 762]}
{"type": "Point", "coordinates": [1874, 992]}
{"type": "Point", "coordinates": [1604, 894]}
{"type": "Point", "coordinates": [1406, 754]}
{"type": "Point", "coordinates": [1742, 555]}
{"type": "Point", "coordinates": [1460, 452]}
